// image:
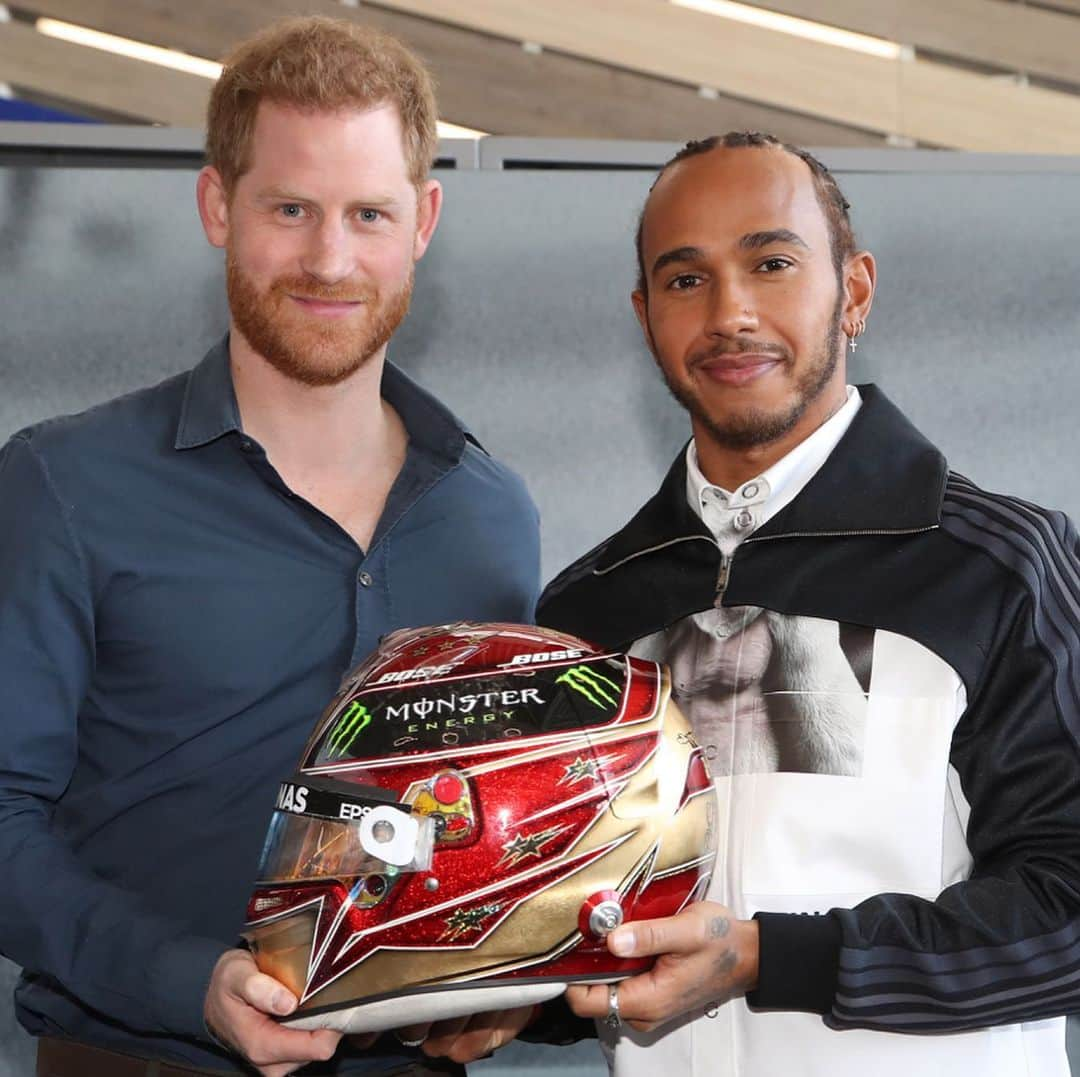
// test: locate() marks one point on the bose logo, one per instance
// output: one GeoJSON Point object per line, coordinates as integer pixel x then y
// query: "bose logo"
{"type": "Point", "coordinates": [420, 673]}
{"type": "Point", "coordinates": [544, 656]}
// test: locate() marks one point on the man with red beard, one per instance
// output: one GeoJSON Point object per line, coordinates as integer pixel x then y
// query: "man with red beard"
{"type": "Point", "coordinates": [186, 572]}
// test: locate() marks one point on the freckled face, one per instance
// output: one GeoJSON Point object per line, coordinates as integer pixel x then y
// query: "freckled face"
{"type": "Point", "coordinates": [322, 239]}
{"type": "Point", "coordinates": [742, 309]}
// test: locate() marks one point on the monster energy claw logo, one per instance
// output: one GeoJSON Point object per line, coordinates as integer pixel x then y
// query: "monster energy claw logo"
{"type": "Point", "coordinates": [349, 726]}
{"type": "Point", "coordinates": [593, 686]}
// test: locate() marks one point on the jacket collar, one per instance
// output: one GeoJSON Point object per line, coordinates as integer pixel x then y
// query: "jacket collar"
{"type": "Point", "coordinates": [883, 476]}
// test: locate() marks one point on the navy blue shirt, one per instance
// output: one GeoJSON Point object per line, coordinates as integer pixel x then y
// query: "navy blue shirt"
{"type": "Point", "coordinates": [173, 619]}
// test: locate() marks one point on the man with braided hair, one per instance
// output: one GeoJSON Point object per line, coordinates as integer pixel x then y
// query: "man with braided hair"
{"type": "Point", "coordinates": [878, 659]}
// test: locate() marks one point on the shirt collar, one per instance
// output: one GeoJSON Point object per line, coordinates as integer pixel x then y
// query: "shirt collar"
{"type": "Point", "coordinates": [761, 498]}
{"type": "Point", "coordinates": [210, 410]}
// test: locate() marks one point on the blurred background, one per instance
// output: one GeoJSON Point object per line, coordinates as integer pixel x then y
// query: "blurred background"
{"type": "Point", "coordinates": [952, 126]}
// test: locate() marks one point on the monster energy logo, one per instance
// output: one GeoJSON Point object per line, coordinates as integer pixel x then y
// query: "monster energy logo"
{"type": "Point", "coordinates": [592, 685]}
{"type": "Point", "coordinates": [349, 726]}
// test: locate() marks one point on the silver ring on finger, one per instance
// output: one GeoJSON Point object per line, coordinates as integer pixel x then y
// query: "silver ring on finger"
{"type": "Point", "coordinates": [613, 1020]}
{"type": "Point", "coordinates": [409, 1043]}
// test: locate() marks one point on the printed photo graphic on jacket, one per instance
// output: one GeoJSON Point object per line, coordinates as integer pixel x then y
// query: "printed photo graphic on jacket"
{"type": "Point", "coordinates": [769, 693]}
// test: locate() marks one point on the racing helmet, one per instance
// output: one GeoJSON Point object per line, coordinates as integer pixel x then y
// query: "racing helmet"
{"type": "Point", "coordinates": [477, 808]}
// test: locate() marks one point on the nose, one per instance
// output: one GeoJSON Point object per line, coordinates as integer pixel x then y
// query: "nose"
{"type": "Point", "coordinates": [731, 309]}
{"type": "Point", "coordinates": [328, 257]}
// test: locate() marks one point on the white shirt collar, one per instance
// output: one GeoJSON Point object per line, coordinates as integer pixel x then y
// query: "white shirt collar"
{"type": "Point", "coordinates": [733, 515]}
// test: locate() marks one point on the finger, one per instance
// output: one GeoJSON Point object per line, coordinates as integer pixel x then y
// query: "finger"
{"type": "Point", "coordinates": [639, 999]}
{"type": "Point", "coordinates": [646, 938]}
{"type": "Point", "coordinates": [486, 1033]}
{"type": "Point", "coordinates": [362, 1040]}
{"type": "Point", "coordinates": [419, 1031]}
{"type": "Point", "coordinates": [266, 994]}
{"type": "Point", "coordinates": [441, 1037]}
{"type": "Point", "coordinates": [281, 1069]}
{"type": "Point", "coordinates": [479, 1038]}
{"type": "Point", "coordinates": [271, 1044]}
{"type": "Point", "coordinates": [588, 1000]}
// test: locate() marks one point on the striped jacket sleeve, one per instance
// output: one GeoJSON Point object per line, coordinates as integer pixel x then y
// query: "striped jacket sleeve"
{"type": "Point", "coordinates": [1002, 946]}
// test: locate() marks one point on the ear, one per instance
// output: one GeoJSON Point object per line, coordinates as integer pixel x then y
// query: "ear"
{"type": "Point", "coordinates": [428, 207]}
{"type": "Point", "coordinates": [641, 309]}
{"type": "Point", "coordinates": [860, 278]}
{"type": "Point", "coordinates": [213, 206]}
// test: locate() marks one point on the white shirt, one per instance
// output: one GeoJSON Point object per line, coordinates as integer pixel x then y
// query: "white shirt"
{"type": "Point", "coordinates": [734, 515]}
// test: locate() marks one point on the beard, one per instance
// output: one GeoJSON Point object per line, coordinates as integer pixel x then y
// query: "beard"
{"type": "Point", "coordinates": [309, 350]}
{"type": "Point", "coordinates": [758, 426]}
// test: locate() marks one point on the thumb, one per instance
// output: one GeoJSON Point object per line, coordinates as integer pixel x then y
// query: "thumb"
{"type": "Point", "coordinates": [266, 994]}
{"type": "Point", "coordinates": [648, 938]}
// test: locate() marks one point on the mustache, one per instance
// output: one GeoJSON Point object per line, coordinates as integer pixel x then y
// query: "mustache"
{"type": "Point", "coordinates": [738, 346]}
{"type": "Point", "coordinates": [306, 288]}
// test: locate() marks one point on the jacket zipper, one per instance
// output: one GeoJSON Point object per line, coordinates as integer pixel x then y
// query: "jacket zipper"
{"type": "Point", "coordinates": [843, 534]}
{"type": "Point", "coordinates": [723, 573]}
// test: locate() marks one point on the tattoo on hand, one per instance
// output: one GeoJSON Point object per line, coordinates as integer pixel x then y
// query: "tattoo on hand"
{"type": "Point", "coordinates": [726, 962]}
{"type": "Point", "coordinates": [719, 926]}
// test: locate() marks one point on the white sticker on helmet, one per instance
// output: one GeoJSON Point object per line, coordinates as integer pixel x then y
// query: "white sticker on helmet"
{"type": "Point", "coordinates": [390, 835]}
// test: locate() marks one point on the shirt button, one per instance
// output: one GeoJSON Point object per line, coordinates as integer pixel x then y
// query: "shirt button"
{"type": "Point", "coordinates": [364, 579]}
{"type": "Point", "coordinates": [744, 520]}
{"type": "Point", "coordinates": [750, 489]}
{"type": "Point", "coordinates": [247, 445]}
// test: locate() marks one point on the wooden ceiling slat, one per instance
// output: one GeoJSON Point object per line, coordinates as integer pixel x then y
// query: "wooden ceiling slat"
{"type": "Point", "coordinates": [1014, 36]}
{"type": "Point", "coordinates": [105, 81]}
{"type": "Point", "coordinates": [484, 82]}
{"type": "Point", "coordinates": [784, 71]}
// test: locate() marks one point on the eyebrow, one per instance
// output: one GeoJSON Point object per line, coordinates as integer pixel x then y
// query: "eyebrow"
{"type": "Point", "coordinates": [283, 194]}
{"type": "Point", "coordinates": [753, 241]}
{"type": "Point", "coordinates": [679, 254]}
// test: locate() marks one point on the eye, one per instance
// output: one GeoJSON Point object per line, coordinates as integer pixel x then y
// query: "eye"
{"type": "Point", "coordinates": [369, 216]}
{"type": "Point", "coordinates": [775, 264]}
{"type": "Point", "coordinates": [684, 282]}
{"type": "Point", "coordinates": [293, 211]}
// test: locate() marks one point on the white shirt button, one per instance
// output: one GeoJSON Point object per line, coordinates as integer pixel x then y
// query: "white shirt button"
{"type": "Point", "coordinates": [743, 520]}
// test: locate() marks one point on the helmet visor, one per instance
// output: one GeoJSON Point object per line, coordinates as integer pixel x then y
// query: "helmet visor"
{"type": "Point", "coordinates": [324, 829]}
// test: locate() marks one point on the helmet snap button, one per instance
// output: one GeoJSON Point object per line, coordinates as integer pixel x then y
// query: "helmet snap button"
{"type": "Point", "coordinates": [603, 920]}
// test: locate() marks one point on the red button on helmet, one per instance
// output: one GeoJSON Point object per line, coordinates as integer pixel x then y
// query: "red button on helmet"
{"type": "Point", "coordinates": [447, 788]}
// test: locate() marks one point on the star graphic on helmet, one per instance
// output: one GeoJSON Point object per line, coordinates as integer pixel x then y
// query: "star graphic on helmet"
{"type": "Point", "coordinates": [462, 921]}
{"type": "Point", "coordinates": [579, 770]}
{"type": "Point", "coordinates": [528, 845]}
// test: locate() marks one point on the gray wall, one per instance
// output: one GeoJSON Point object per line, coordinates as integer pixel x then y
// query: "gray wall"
{"type": "Point", "coordinates": [522, 323]}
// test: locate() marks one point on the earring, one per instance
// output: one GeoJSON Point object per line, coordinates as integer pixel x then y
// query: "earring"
{"type": "Point", "coordinates": [857, 330]}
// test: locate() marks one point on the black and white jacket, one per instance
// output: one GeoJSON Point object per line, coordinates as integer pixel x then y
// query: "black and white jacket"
{"type": "Point", "coordinates": [886, 678]}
